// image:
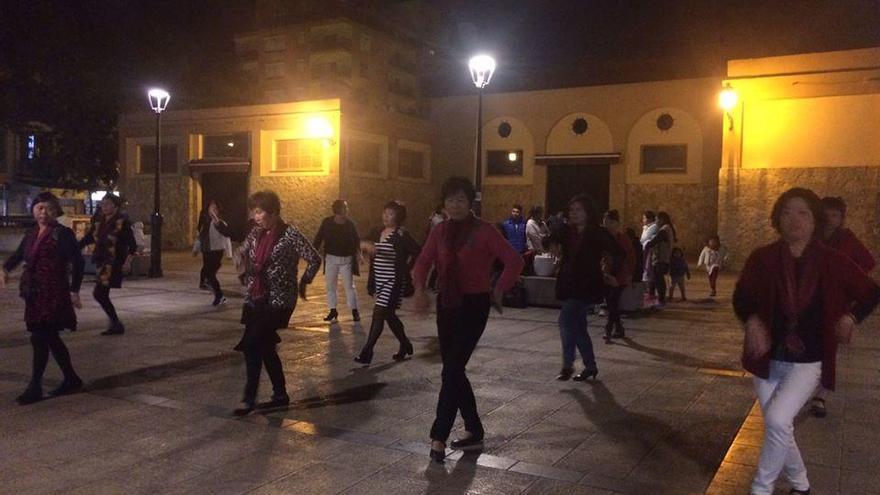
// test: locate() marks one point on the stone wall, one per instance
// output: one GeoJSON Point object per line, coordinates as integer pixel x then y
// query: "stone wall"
{"type": "Point", "coordinates": [178, 193]}
{"type": "Point", "coordinates": [746, 197]}
{"type": "Point", "coordinates": [305, 201]}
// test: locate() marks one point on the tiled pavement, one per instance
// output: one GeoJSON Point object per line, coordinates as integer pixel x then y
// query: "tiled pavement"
{"type": "Point", "coordinates": [669, 401]}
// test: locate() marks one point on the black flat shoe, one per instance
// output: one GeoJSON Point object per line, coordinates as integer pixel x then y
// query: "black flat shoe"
{"type": "Point", "coordinates": [405, 350]}
{"type": "Point", "coordinates": [471, 443]}
{"type": "Point", "coordinates": [275, 401]}
{"type": "Point", "coordinates": [29, 396]}
{"type": "Point", "coordinates": [564, 374]}
{"type": "Point", "coordinates": [244, 409]}
{"type": "Point", "coordinates": [115, 329]}
{"type": "Point", "coordinates": [795, 491]}
{"type": "Point", "coordinates": [331, 316]}
{"type": "Point", "coordinates": [363, 358]}
{"type": "Point", "coordinates": [818, 407]}
{"type": "Point", "coordinates": [67, 387]}
{"type": "Point", "coordinates": [438, 455]}
{"type": "Point", "coordinates": [586, 374]}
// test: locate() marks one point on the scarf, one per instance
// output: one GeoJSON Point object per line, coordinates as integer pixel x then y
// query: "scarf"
{"type": "Point", "coordinates": [266, 240]}
{"type": "Point", "coordinates": [39, 240]}
{"type": "Point", "coordinates": [457, 234]}
{"type": "Point", "coordinates": [797, 293]}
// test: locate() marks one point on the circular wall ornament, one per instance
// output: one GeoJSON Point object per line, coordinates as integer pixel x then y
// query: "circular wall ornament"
{"type": "Point", "coordinates": [504, 129]}
{"type": "Point", "coordinates": [579, 126]}
{"type": "Point", "coordinates": [665, 122]}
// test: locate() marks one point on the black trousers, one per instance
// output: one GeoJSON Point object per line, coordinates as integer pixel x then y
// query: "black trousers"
{"type": "Point", "coordinates": [660, 272]}
{"type": "Point", "coordinates": [102, 295]}
{"type": "Point", "coordinates": [254, 360]}
{"type": "Point", "coordinates": [211, 261]}
{"type": "Point", "coordinates": [43, 342]}
{"type": "Point", "coordinates": [380, 316]}
{"type": "Point", "coordinates": [259, 346]}
{"type": "Point", "coordinates": [613, 303]}
{"type": "Point", "coordinates": [459, 329]}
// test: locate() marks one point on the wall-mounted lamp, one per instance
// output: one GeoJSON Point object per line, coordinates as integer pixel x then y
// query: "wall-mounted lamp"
{"type": "Point", "coordinates": [512, 156]}
{"type": "Point", "coordinates": [320, 128]}
{"type": "Point", "coordinates": [727, 99]}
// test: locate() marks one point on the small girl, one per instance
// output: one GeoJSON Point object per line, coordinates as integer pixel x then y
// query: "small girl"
{"type": "Point", "coordinates": [678, 270]}
{"type": "Point", "coordinates": [713, 257]}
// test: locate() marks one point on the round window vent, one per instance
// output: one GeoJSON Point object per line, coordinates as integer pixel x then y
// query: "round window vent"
{"type": "Point", "coordinates": [665, 122]}
{"type": "Point", "coordinates": [579, 126]}
{"type": "Point", "coordinates": [504, 129]}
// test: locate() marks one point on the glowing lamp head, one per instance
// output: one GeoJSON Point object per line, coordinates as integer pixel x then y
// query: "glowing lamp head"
{"type": "Point", "coordinates": [319, 128]}
{"type": "Point", "coordinates": [512, 156]}
{"type": "Point", "coordinates": [158, 99]}
{"type": "Point", "coordinates": [727, 98]}
{"type": "Point", "coordinates": [482, 67]}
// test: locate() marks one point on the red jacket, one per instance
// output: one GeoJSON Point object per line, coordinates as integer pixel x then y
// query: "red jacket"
{"type": "Point", "coordinates": [845, 289]}
{"type": "Point", "coordinates": [628, 266]}
{"type": "Point", "coordinates": [474, 259]}
{"type": "Point", "coordinates": [845, 241]}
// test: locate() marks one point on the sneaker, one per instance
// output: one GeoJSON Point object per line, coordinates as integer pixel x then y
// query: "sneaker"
{"type": "Point", "coordinates": [332, 315]}
{"type": "Point", "coordinates": [218, 301]}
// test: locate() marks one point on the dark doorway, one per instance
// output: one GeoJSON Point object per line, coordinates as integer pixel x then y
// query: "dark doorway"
{"type": "Point", "coordinates": [564, 181]}
{"type": "Point", "coordinates": [230, 191]}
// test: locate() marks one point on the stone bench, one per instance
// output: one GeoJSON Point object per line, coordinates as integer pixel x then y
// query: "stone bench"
{"type": "Point", "coordinates": [541, 291]}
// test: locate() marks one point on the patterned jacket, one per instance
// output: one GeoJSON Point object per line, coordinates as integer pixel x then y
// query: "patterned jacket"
{"type": "Point", "coordinates": [281, 271]}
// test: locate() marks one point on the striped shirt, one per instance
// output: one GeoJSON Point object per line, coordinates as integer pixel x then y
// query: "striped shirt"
{"type": "Point", "coordinates": [384, 264]}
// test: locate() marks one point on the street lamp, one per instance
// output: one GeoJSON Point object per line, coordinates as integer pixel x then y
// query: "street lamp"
{"type": "Point", "coordinates": [158, 101]}
{"type": "Point", "coordinates": [482, 67]}
{"type": "Point", "coordinates": [727, 99]}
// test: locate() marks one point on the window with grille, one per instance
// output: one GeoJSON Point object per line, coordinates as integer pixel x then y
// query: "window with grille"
{"type": "Point", "coordinates": [410, 164]}
{"type": "Point", "coordinates": [664, 159]}
{"type": "Point", "coordinates": [299, 155]}
{"type": "Point", "coordinates": [147, 159]}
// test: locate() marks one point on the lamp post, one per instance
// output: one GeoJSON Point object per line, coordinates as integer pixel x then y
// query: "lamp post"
{"type": "Point", "coordinates": [158, 101]}
{"type": "Point", "coordinates": [482, 67]}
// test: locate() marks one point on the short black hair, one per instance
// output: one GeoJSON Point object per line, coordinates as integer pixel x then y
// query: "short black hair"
{"type": "Point", "coordinates": [588, 206]}
{"type": "Point", "coordinates": [267, 201]}
{"type": "Point", "coordinates": [517, 207]}
{"type": "Point", "coordinates": [536, 212]}
{"type": "Point", "coordinates": [399, 211]}
{"type": "Point", "coordinates": [457, 184]}
{"type": "Point", "coordinates": [613, 215]}
{"type": "Point", "coordinates": [116, 200]}
{"type": "Point", "coordinates": [338, 206]}
{"type": "Point", "coordinates": [813, 203]}
{"type": "Point", "coordinates": [834, 203]}
{"type": "Point", "coordinates": [649, 215]}
{"type": "Point", "coordinates": [47, 197]}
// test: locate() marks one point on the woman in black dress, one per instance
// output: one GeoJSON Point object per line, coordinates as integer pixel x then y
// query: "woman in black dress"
{"type": "Point", "coordinates": [50, 285]}
{"type": "Point", "coordinates": [213, 243]}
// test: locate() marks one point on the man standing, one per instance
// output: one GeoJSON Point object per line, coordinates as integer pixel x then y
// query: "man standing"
{"type": "Point", "coordinates": [515, 229]}
{"type": "Point", "coordinates": [341, 247]}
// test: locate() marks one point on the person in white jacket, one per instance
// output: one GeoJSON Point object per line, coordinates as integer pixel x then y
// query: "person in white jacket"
{"type": "Point", "coordinates": [713, 257]}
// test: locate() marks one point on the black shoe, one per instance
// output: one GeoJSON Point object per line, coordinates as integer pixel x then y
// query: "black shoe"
{"type": "Point", "coordinates": [115, 329]}
{"type": "Point", "coordinates": [275, 401]}
{"type": "Point", "coordinates": [364, 358]}
{"type": "Point", "coordinates": [564, 374]}
{"type": "Point", "coordinates": [218, 300]}
{"type": "Point", "coordinates": [795, 491]}
{"type": "Point", "coordinates": [355, 316]}
{"type": "Point", "coordinates": [818, 407]}
{"type": "Point", "coordinates": [405, 349]}
{"type": "Point", "coordinates": [67, 387]}
{"type": "Point", "coordinates": [438, 455]}
{"type": "Point", "coordinates": [471, 443]}
{"type": "Point", "coordinates": [584, 375]}
{"type": "Point", "coordinates": [332, 315]}
{"type": "Point", "coordinates": [244, 409]}
{"type": "Point", "coordinates": [30, 396]}
{"type": "Point", "coordinates": [608, 328]}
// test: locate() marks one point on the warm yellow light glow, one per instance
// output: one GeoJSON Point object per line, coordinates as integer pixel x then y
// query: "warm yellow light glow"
{"type": "Point", "coordinates": [512, 156]}
{"type": "Point", "coordinates": [319, 128]}
{"type": "Point", "coordinates": [230, 144]}
{"type": "Point", "coordinates": [727, 98]}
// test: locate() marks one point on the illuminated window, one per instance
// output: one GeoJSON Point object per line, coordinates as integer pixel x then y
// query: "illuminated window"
{"type": "Point", "coordinates": [504, 163]}
{"type": "Point", "coordinates": [664, 159]}
{"type": "Point", "coordinates": [365, 157]}
{"type": "Point", "coordinates": [299, 155]}
{"type": "Point", "coordinates": [147, 159]}
{"type": "Point", "coordinates": [227, 146]}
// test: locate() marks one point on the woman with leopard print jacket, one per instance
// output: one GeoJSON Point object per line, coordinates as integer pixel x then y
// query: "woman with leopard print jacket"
{"type": "Point", "coordinates": [270, 256]}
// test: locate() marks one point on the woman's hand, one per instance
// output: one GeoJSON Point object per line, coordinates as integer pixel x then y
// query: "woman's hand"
{"type": "Point", "coordinates": [757, 337]}
{"type": "Point", "coordinates": [74, 298]}
{"type": "Point", "coordinates": [421, 301]}
{"type": "Point", "coordinates": [498, 299]}
{"type": "Point", "coordinates": [844, 327]}
{"type": "Point", "coordinates": [368, 248]}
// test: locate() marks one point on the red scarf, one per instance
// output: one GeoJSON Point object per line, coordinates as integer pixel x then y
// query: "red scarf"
{"type": "Point", "coordinates": [39, 239]}
{"type": "Point", "coordinates": [456, 235]}
{"type": "Point", "coordinates": [797, 293]}
{"type": "Point", "coordinates": [265, 243]}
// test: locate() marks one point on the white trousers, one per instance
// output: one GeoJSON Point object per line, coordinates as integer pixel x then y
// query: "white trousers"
{"type": "Point", "coordinates": [782, 396]}
{"type": "Point", "coordinates": [333, 266]}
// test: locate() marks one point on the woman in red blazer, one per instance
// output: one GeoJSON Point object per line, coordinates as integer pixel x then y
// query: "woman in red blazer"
{"type": "Point", "coordinates": [798, 299]}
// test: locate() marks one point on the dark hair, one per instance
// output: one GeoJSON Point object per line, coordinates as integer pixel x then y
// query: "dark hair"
{"type": "Point", "coordinates": [649, 215]}
{"type": "Point", "coordinates": [664, 219]}
{"type": "Point", "coordinates": [116, 200]}
{"type": "Point", "coordinates": [267, 201]}
{"type": "Point", "coordinates": [536, 212]}
{"type": "Point", "coordinates": [613, 215]}
{"type": "Point", "coordinates": [47, 197]}
{"type": "Point", "coordinates": [713, 238]}
{"type": "Point", "coordinates": [338, 206]}
{"type": "Point", "coordinates": [813, 203]}
{"type": "Point", "coordinates": [454, 185]}
{"type": "Point", "coordinates": [834, 203]}
{"type": "Point", "coordinates": [517, 207]}
{"type": "Point", "coordinates": [399, 211]}
{"type": "Point", "coordinates": [677, 250]}
{"type": "Point", "coordinates": [588, 206]}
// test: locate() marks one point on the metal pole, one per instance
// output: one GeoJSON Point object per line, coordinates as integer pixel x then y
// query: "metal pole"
{"type": "Point", "coordinates": [478, 179]}
{"type": "Point", "coordinates": [156, 218]}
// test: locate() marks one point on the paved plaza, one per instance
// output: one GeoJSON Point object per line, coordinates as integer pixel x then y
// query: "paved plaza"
{"type": "Point", "coordinates": [669, 412]}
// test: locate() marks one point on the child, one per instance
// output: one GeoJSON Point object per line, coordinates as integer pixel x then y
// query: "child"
{"type": "Point", "coordinates": [713, 257]}
{"type": "Point", "coordinates": [678, 270]}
